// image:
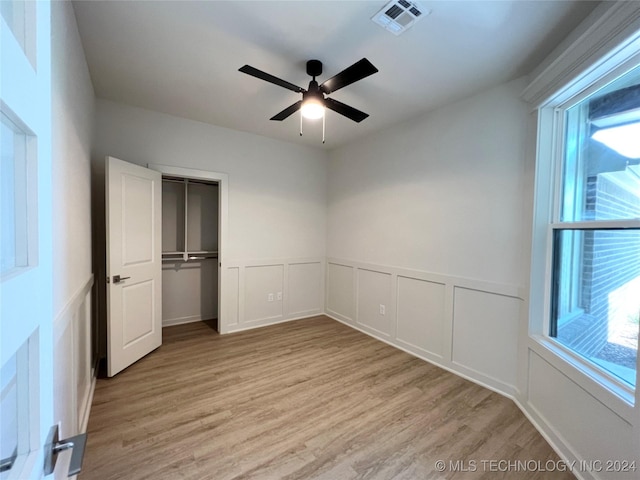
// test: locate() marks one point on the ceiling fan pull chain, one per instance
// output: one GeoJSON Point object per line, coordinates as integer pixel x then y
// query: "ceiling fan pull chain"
{"type": "Point", "coordinates": [323, 119]}
{"type": "Point", "coordinates": [300, 122]}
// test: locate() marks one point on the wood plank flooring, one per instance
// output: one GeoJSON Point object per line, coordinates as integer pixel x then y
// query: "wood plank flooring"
{"type": "Point", "coordinates": [311, 399]}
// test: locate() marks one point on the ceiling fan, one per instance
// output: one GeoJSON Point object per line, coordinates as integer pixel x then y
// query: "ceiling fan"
{"type": "Point", "coordinates": [314, 101]}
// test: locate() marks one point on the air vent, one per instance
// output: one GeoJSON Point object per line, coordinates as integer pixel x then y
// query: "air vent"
{"type": "Point", "coordinates": [399, 15]}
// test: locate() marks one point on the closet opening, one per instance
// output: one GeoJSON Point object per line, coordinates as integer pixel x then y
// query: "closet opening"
{"type": "Point", "coordinates": [190, 250]}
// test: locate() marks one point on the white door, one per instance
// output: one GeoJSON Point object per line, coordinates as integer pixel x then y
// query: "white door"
{"type": "Point", "coordinates": [26, 246]}
{"type": "Point", "coordinates": [134, 263]}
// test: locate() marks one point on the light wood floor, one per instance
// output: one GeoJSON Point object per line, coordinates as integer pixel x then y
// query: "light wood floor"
{"type": "Point", "coordinates": [310, 399]}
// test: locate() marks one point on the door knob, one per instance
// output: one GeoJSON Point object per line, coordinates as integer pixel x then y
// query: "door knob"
{"type": "Point", "coordinates": [118, 278]}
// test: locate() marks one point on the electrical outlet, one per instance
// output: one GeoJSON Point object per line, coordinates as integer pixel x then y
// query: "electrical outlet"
{"type": "Point", "coordinates": [279, 297]}
{"type": "Point", "coordinates": [270, 297]}
{"type": "Point", "coordinates": [382, 309]}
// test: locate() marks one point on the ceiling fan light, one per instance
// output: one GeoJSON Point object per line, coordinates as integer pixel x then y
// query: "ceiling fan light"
{"type": "Point", "coordinates": [313, 109]}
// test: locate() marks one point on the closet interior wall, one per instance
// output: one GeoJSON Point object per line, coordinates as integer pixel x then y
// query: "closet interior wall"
{"type": "Point", "coordinates": [189, 250]}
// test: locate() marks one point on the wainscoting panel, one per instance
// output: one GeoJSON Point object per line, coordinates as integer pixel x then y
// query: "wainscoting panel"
{"type": "Point", "coordinates": [421, 314]}
{"type": "Point", "coordinates": [264, 292]}
{"type": "Point", "coordinates": [305, 288]}
{"type": "Point", "coordinates": [464, 325]}
{"type": "Point", "coordinates": [552, 397]}
{"type": "Point", "coordinates": [485, 333]}
{"type": "Point", "coordinates": [74, 373]}
{"type": "Point", "coordinates": [340, 291]}
{"type": "Point", "coordinates": [232, 303]}
{"type": "Point", "coordinates": [374, 301]}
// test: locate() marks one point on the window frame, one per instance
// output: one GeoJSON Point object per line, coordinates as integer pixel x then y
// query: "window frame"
{"type": "Point", "coordinates": [548, 192]}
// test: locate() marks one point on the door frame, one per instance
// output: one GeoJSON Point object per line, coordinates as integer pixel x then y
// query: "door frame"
{"type": "Point", "coordinates": [223, 215]}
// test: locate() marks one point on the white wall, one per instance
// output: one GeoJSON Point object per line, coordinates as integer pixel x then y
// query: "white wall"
{"type": "Point", "coordinates": [72, 110]}
{"type": "Point", "coordinates": [426, 219]}
{"type": "Point", "coordinates": [276, 201]}
{"type": "Point", "coordinates": [440, 193]}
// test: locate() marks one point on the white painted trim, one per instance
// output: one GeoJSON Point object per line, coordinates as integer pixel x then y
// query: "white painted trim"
{"type": "Point", "coordinates": [86, 409]}
{"type": "Point", "coordinates": [66, 323]}
{"type": "Point", "coordinates": [267, 324]}
{"type": "Point", "coordinates": [597, 383]}
{"type": "Point", "coordinates": [504, 289]}
{"type": "Point", "coordinates": [613, 27]}
{"type": "Point", "coordinates": [271, 262]}
{"type": "Point", "coordinates": [597, 224]}
{"type": "Point", "coordinates": [339, 317]}
{"type": "Point", "coordinates": [183, 320]}
{"type": "Point", "coordinates": [286, 315]}
{"type": "Point", "coordinates": [553, 438]}
{"type": "Point", "coordinates": [76, 300]}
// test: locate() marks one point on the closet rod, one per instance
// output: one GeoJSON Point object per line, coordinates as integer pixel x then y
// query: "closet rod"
{"type": "Point", "coordinates": [202, 257]}
{"type": "Point", "coordinates": [190, 258]}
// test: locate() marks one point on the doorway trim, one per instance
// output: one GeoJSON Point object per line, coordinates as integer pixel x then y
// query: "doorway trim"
{"type": "Point", "coordinates": [223, 188]}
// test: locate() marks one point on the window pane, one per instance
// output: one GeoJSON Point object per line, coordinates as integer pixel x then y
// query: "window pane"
{"type": "Point", "coordinates": [13, 196]}
{"type": "Point", "coordinates": [596, 297]}
{"type": "Point", "coordinates": [602, 154]}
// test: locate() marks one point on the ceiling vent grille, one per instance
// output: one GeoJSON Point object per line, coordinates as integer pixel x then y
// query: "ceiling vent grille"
{"type": "Point", "coordinates": [399, 15]}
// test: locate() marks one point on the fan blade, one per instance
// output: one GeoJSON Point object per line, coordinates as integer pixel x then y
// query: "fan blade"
{"type": "Point", "coordinates": [349, 75]}
{"type": "Point", "coordinates": [346, 110]}
{"type": "Point", "coordinates": [249, 70]}
{"type": "Point", "coordinates": [287, 111]}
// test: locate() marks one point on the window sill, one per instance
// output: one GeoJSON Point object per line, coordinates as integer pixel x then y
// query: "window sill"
{"type": "Point", "coordinates": [614, 394]}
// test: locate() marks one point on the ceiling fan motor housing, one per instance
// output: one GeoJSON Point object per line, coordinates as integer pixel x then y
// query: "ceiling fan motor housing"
{"type": "Point", "coordinates": [311, 94]}
{"type": "Point", "coordinates": [314, 68]}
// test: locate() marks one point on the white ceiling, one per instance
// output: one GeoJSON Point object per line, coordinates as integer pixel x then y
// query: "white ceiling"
{"type": "Point", "coordinates": [182, 58]}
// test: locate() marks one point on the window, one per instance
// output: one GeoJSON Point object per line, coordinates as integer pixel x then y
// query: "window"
{"type": "Point", "coordinates": [595, 297]}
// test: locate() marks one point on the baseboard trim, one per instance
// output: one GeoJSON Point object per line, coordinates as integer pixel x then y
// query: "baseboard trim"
{"type": "Point", "coordinates": [245, 327]}
{"type": "Point", "coordinates": [86, 409]}
{"type": "Point", "coordinates": [564, 451]}
{"type": "Point", "coordinates": [183, 320]}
